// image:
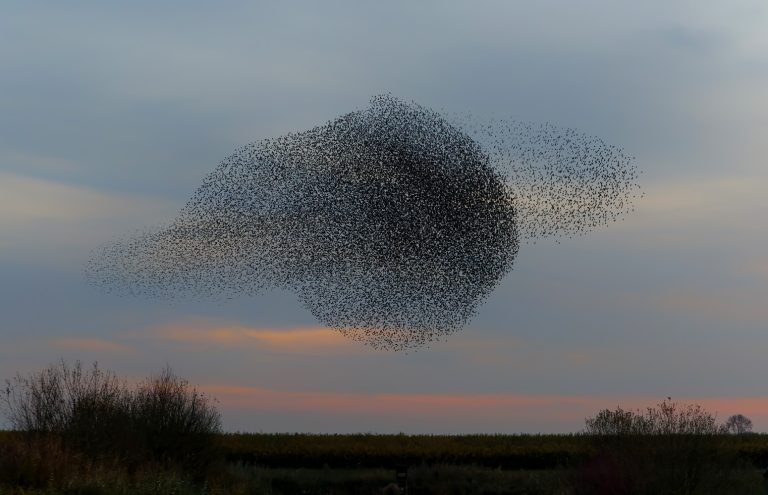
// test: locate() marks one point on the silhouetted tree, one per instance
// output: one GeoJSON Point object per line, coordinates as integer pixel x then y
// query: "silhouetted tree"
{"type": "Point", "coordinates": [738, 424]}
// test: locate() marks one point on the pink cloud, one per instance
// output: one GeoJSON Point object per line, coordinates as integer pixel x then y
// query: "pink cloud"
{"type": "Point", "coordinates": [496, 410]}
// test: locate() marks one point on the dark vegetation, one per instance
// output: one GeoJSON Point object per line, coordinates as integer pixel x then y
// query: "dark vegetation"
{"type": "Point", "coordinates": [86, 431]}
{"type": "Point", "coordinates": [368, 451]}
{"type": "Point", "coordinates": [72, 423]}
{"type": "Point", "coordinates": [666, 449]}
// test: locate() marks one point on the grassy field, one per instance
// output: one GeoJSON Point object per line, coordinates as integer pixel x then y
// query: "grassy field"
{"type": "Point", "coordinates": [497, 451]}
{"type": "Point", "coordinates": [347, 451]}
{"type": "Point", "coordinates": [366, 464]}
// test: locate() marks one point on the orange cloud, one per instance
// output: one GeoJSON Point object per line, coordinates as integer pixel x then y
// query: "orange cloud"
{"type": "Point", "coordinates": [45, 219]}
{"type": "Point", "coordinates": [24, 200]}
{"type": "Point", "coordinates": [90, 344]}
{"type": "Point", "coordinates": [295, 339]}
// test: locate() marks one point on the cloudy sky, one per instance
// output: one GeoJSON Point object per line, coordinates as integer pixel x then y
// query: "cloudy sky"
{"type": "Point", "coordinates": [111, 116]}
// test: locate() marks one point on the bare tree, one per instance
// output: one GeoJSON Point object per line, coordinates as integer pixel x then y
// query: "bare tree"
{"type": "Point", "coordinates": [738, 424]}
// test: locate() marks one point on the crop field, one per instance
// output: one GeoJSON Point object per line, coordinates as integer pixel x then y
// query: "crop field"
{"type": "Point", "coordinates": [435, 464]}
{"type": "Point", "coordinates": [349, 451]}
{"type": "Point", "coordinates": [496, 451]}
{"type": "Point", "coordinates": [370, 451]}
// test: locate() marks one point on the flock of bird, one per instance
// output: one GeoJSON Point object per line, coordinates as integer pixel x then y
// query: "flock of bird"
{"type": "Point", "coordinates": [391, 224]}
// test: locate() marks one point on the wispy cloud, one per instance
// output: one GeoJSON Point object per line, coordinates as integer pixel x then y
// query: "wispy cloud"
{"type": "Point", "coordinates": [42, 217]}
{"type": "Point", "coordinates": [25, 200]}
{"type": "Point", "coordinates": [228, 334]}
{"type": "Point", "coordinates": [707, 196]}
{"type": "Point", "coordinates": [670, 201]}
{"type": "Point", "coordinates": [683, 214]}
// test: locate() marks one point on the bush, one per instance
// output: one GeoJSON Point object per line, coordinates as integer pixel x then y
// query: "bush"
{"type": "Point", "coordinates": [161, 420]}
{"type": "Point", "coordinates": [670, 448]}
{"type": "Point", "coordinates": [86, 410]}
{"type": "Point", "coordinates": [177, 422]}
{"type": "Point", "coordinates": [667, 418]}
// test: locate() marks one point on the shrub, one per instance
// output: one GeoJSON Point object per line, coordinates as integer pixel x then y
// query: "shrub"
{"type": "Point", "coordinates": [161, 420]}
{"type": "Point", "coordinates": [84, 409]}
{"type": "Point", "coordinates": [667, 418]}
{"type": "Point", "coordinates": [177, 422]}
{"type": "Point", "coordinates": [670, 448]}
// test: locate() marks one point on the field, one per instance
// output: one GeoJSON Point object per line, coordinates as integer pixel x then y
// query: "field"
{"type": "Point", "coordinates": [495, 451]}
{"type": "Point", "coordinates": [370, 451]}
{"type": "Point", "coordinates": [367, 463]}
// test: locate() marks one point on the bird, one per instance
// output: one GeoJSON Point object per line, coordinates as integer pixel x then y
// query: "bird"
{"type": "Point", "coordinates": [391, 224]}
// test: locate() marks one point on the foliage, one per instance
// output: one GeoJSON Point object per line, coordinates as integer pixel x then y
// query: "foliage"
{"type": "Point", "coordinates": [177, 422]}
{"type": "Point", "coordinates": [94, 413]}
{"type": "Point", "coordinates": [288, 464]}
{"type": "Point", "coordinates": [667, 418]}
{"type": "Point", "coordinates": [84, 408]}
{"type": "Point", "coordinates": [42, 466]}
{"type": "Point", "coordinates": [670, 448]}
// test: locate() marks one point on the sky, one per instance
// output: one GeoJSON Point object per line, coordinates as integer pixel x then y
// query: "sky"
{"type": "Point", "coordinates": [111, 114]}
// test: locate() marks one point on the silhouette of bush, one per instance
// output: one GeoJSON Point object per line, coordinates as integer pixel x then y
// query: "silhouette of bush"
{"type": "Point", "coordinates": [177, 422]}
{"type": "Point", "coordinates": [161, 420]}
{"type": "Point", "coordinates": [670, 448]}
{"type": "Point", "coordinates": [667, 418]}
{"type": "Point", "coordinates": [85, 409]}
